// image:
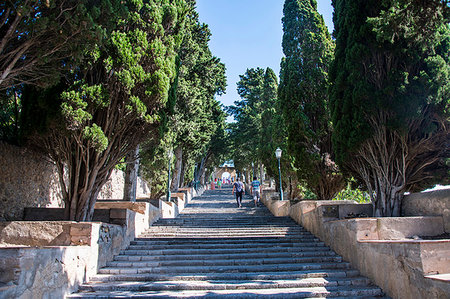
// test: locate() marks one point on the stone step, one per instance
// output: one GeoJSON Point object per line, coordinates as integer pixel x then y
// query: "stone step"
{"type": "Point", "coordinates": [192, 241]}
{"type": "Point", "coordinates": [213, 256]}
{"type": "Point", "coordinates": [214, 236]}
{"type": "Point", "coordinates": [236, 276]}
{"type": "Point", "coordinates": [306, 292]}
{"type": "Point", "coordinates": [250, 247]}
{"type": "Point", "coordinates": [226, 222]}
{"type": "Point", "coordinates": [226, 232]}
{"type": "Point", "coordinates": [244, 261]}
{"type": "Point", "coordinates": [243, 250]}
{"type": "Point", "coordinates": [223, 285]}
{"type": "Point", "coordinates": [225, 268]}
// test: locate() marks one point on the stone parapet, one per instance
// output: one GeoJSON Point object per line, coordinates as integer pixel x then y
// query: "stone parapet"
{"type": "Point", "coordinates": [49, 259]}
{"type": "Point", "coordinates": [178, 201]}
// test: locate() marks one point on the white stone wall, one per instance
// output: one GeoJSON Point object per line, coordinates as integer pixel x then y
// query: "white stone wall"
{"type": "Point", "coordinates": [28, 179]}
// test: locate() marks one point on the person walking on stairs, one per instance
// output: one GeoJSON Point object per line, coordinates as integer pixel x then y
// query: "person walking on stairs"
{"type": "Point", "coordinates": [239, 187]}
{"type": "Point", "coordinates": [256, 190]}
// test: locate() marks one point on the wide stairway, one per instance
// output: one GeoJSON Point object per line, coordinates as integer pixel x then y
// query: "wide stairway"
{"type": "Point", "coordinates": [214, 249]}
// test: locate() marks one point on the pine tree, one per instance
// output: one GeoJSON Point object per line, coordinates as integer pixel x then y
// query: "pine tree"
{"type": "Point", "coordinates": [112, 101]}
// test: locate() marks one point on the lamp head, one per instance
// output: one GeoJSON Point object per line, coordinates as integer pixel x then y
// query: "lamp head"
{"type": "Point", "coordinates": [278, 153]}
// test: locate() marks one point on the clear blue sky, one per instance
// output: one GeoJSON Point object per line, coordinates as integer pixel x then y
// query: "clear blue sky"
{"type": "Point", "coordinates": [247, 34]}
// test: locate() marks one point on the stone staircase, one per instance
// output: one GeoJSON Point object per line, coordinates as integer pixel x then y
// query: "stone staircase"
{"type": "Point", "coordinates": [214, 249]}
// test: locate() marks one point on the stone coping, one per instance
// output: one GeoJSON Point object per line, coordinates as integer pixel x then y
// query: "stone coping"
{"type": "Point", "coordinates": [440, 277]}
{"type": "Point", "coordinates": [138, 207]}
{"type": "Point", "coordinates": [406, 241]}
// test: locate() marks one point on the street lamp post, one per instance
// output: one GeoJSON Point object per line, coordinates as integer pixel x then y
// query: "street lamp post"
{"type": "Point", "coordinates": [170, 156]}
{"type": "Point", "coordinates": [278, 155]}
{"type": "Point", "coordinates": [253, 170]}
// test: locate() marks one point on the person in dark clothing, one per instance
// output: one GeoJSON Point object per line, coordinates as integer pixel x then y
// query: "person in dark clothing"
{"type": "Point", "coordinates": [239, 187]}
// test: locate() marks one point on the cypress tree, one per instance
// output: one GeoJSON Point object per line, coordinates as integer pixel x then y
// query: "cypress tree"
{"type": "Point", "coordinates": [390, 96]}
{"type": "Point", "coordinates": [303, 94]}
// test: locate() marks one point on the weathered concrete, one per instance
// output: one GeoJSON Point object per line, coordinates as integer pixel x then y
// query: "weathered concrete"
{"type": "Point", "coordinates": [54, 271]}
{"type": "Point", "coordinates": [429, 204]}
{"type": "Point", "coordinates": [379, 247]}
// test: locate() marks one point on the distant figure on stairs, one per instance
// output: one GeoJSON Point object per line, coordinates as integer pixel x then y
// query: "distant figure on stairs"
{"type": "Point", "coordinates": [239, 187]}
{"type": "Point", "coordinates": [256, 190]}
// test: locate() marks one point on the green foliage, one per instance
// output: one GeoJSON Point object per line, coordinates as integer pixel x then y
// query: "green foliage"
{"type": "Point", "coordinates": [368, 34]}
{"type": "Point", "coordinates": [114, 99]}
{"type": "Point", "coordinates": [303, 95]}
{"type": "Point", "coordinates": [259, 128]}
{"type": "Point", "coordinates": [96, 138]}
{"type": "Point", "coordinates": [10, 109]}
{"type": "Point", "coordinates": [353, 193]}
{"type": "Point", "coordinates": [246, 132]}
{"type": "Point", "coordinates": [194, 119]}
{"type": "Point", "coordinates": [390, 95]}
{"type": "Point", "coordinates": [40, 39]}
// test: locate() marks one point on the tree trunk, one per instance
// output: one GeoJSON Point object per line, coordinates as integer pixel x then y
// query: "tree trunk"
{"type": "Point", "coordinates": [176, 182]}
{"type": "Point", "coordinates": [201, 169]}
{"type": "Point", "coordinates": [262, 174]}
{"type": "Point", "coordinates": [183, 170]}
{"type": "Point", "coordinates": [131, 174]}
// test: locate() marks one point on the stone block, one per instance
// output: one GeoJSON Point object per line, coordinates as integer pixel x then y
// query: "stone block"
{"type": "Point", "coordinates": [395, 228]}
{"type": "Point", "coordinates": [430, 203]}
{"type": "Point", "coordinates": [355, 210]}
{"type": "Point", "coordinates": [117, 214]}
{"type": "Point", "coordinates": [35, 233]}
{"type": "Point", "coordinates": [43, 214]}
{"type": "Point", "coordinates": [80, 240]}
{"type": "Point", "coordinates": [81, 229]}
{"type": "Point", "coordinates": [138, 207]}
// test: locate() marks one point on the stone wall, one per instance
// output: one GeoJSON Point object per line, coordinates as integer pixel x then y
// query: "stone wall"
{"type": "Point", "coordinates": [28, 179]}
{"type": "Point", "coordinates": [429, 203]}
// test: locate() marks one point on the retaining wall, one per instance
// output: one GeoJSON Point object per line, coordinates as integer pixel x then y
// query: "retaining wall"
{"type": "Point", "coordinates": [383, 249]}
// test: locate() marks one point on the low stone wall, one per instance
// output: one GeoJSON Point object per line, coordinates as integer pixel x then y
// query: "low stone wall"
{"type": "Point", "coordinates": [55, 271]}
{"type": "Point", "coordinates": [380, 248]}
{"type": "Point", "coordinates": [178, 201]}
{"type": "Point", "coordinates": [28, 179]}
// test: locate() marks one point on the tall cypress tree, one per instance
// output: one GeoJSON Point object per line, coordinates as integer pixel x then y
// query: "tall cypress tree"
{"type": "Point", "coordinates": [303, 93]}
{"type": "Point", "coordinates": [390, 95]}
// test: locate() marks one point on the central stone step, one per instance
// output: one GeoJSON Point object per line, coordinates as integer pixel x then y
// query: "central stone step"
{"type": "Point", "coordinates": [231, 253]}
